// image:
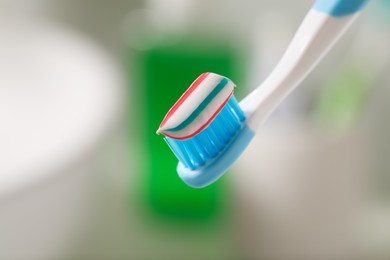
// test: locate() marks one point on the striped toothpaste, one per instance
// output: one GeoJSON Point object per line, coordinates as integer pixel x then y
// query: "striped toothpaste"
{"type": "Point", "coordinates": [197, 107]}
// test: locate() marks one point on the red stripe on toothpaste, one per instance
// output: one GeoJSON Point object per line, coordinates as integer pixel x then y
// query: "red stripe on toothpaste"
{"type": "Point", "coordinates": [183, 98]}
{"type": "Point", "coordinates": [203, 126]}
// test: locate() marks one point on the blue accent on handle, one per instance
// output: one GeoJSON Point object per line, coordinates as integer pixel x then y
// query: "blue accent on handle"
{"type": "Point", "coordinates": [213, 171]}
{"type": "Point", "coordinates": [339, 8]}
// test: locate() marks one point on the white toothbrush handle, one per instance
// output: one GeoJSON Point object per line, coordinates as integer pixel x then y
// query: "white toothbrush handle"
{"type": "Point", "coordinates": [317, 34]}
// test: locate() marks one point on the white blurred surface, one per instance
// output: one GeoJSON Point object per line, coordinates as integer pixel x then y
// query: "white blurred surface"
{"type": "Point", "coordinates": [60, 95]}
{"type": "Point", "coordinates": [301, 192]}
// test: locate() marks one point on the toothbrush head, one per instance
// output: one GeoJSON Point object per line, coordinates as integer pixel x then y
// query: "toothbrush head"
{"type": "Point", "coordinates": [206, 130]}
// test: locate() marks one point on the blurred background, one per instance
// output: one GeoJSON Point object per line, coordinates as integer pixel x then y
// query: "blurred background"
{"type": "Point", "coordinates": [84, 85]}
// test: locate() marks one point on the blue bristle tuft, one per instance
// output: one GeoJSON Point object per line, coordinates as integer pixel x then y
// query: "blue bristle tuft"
{"type": "Point", "coordinates": [195, 152]}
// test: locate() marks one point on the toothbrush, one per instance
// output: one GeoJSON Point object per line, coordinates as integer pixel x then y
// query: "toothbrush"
{"type": "Point", "coordinates": [207, 129]}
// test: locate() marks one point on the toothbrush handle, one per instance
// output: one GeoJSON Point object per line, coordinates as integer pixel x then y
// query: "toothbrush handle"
{"type": "Point", "coordinates": [317, 34]}
{"type": "Point", "coordinates": [339, 8]}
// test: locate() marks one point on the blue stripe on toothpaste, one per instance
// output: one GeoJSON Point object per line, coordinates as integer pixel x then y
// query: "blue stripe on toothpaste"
{"type": "Point", "coordinates": [201, 107]}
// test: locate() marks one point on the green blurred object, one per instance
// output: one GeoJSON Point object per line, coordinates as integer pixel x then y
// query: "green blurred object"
{"type": "Point", "coordinates": [163, 74]}
{"type": "Point", "coordinates": [342, 100]}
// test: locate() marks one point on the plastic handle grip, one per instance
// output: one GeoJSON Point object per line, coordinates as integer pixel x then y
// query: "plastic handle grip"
{"type": "Point", "coordinates": [339, 8]}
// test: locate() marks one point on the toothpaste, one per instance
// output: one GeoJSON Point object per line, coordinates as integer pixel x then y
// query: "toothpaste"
{"type": "Point", "coordinates": [197, 107]}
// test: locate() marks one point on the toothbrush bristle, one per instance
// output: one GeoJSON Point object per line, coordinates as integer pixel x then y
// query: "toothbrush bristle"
{"type": "Point", "coordinates": [197, 151]}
